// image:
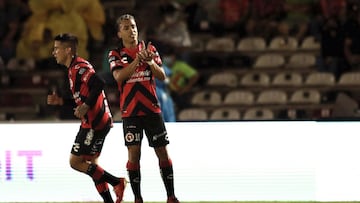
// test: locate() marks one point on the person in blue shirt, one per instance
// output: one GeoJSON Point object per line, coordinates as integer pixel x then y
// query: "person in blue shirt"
{"type": "Point", "coordinates": [163, 94]}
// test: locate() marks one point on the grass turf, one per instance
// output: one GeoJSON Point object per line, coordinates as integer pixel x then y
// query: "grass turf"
{"type": "Point", "coordinates": [227, 202]}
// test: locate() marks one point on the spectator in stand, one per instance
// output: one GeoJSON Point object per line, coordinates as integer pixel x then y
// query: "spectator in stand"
{"type": "Point", "coordinates": [173, 30]}
{"type": "Point", "coordinates": [164, 96]}
{"type": "Point", "coordinates": [332, 42]}
{"type": "Point", "coordinates": [323, 11]}
{"type": "Point", "coordinates": [196, 16]}
{"type": "Point", "coordinates": [267, 15]}
{"type": "Point", "coordinates": [233, 13]}
{"type": "Point", "coordinates": [298, 16]}
{"type": "Point", "coordinates": [49, 16]}
{"type": "Point", "coordinates": [183, 79]}
{"type": "Point", "coordinates": [205, 17]}
{"type": "Point", "coordinates": [352, 39]}
{"type": "Point", "coordinates": [82, 18]}
{"type": "Point", "coordinates": [12, 16]}
{"type": "Point", "coordinates": [333, 8]}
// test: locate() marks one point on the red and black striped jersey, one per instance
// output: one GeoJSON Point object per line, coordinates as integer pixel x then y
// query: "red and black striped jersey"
{"type": "Point", "coordinates": [137, 93]}
{"type": "Point", "coordinates": [80, 75]}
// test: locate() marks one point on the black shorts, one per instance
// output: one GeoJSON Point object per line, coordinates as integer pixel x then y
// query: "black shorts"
{"type": "Point", "coordinates": [153, 125]}
{"type": "Point", "coordinates": [89, 142]}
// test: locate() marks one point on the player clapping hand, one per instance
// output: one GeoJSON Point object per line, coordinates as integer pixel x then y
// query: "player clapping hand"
{"type": "Point", "coordinates": [146, 55]}
{"type": "Point", "coordinates": [54, 99]}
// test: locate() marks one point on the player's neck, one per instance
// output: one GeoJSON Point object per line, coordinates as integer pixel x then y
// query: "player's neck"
{"type": "Point", "coordinates": [131, 45]}
{"type": "Point", "coordinates": [69, 60]}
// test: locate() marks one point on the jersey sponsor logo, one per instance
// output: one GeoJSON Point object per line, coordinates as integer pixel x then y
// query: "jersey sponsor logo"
{"type": "Point", "coordinates": [139, 76]}
{"type": "Point", "coordinates": [89, 137]}
{"type": "Point", "coordinates": [155, 137]}
{"type": "Point", "coordinates": [98, 143]}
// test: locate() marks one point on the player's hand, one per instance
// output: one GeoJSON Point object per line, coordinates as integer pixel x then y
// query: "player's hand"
{"type": "Point", "coordinates": [54, 99]}
{"type": "Point", "coordinates": [146, 55]}
{"type": "Point", "coordinates": [81, 110]}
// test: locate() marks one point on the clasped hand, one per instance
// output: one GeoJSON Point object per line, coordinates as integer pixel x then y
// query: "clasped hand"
{"type": "Point", "coordinates": [145, 55]}
{"type": "Point", "coordinates": [54, 99]}
{"type": "Point", "coordinates": [81, 110]}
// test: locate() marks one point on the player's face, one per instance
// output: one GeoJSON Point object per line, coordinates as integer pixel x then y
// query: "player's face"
{"type": "Point", "coordinates": [128, 32]}
{"type": "Point", "coordinates": [60, 52]}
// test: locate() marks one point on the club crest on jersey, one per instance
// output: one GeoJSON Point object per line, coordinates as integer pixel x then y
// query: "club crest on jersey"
{"type": "Point", "coordinates": [129, 137]}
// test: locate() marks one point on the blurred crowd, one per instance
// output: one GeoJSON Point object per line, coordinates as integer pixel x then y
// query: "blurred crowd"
{"type": "Point", "coordinates": [27, 27]}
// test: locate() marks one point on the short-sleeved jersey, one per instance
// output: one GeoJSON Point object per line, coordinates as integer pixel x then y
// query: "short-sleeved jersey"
{"type": "Point", "coordinates": [137, 93]}
{"type": "Point", "coordinates": [80, 73]}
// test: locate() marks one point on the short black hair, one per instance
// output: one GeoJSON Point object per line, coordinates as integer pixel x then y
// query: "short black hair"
{"type": "Point", "coordinates": [121, 18]}
{"type": "Point", "coordinates": [68, 38]}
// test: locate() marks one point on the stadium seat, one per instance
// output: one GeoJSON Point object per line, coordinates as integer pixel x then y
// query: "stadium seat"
{"type": "Point", "coordinates": [223, 79]}
{"type": "Point", "coordinates": [255, 79]}
{"type": "Point", "coordinates": [251, 44]}
{"type": "Point", "coordinates": [301, 60]}
{"type": "Point", "coordinates": [206, 98]}
{"type": "Point", "coordinates": [279, 43]}
{"type": "Point", "coordinates": [320, 79]}
{"type": "Point", "coordinates": [225, 114]}
{"type": "Point", "coordinates": [199, 42]}
{"type": "Point", "coordinates": [269, 60]}
{"type": "Point", "coordinates": [349, 78]}
{"type": "Point", "coordinates": [16, 64]}
{"type": "Point", "coordinates": [310, 43]}
{"type": "Point", "coordinates": [301, 96]}
{"type": "Point", "coordinates": [287, 79]}
{"type": "Point", "coordinates": [224, 44]}
{"type": "Point", "coordinates": [193, 114]}
{"type": "Point", "coordinates": [272, 96]}
{"type": "Point", "coordinates": [258, 114]}
{"type": "Point", "coordinates": [239, 97]}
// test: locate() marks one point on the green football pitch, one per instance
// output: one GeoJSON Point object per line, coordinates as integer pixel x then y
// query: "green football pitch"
{"type": "Point", "coordinates": [228, 202]}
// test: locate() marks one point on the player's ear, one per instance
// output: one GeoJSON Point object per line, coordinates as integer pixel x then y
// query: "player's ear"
{"type": "Point", "coordinates": [68, 50]}
{"type": "Point", "coordinates": [119, 34]}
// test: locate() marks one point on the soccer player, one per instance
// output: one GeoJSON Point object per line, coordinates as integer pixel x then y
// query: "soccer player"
{"type": "Point", "coordinates": [135, 66]}
{"type": "Point", "coordinates": [92, 108]}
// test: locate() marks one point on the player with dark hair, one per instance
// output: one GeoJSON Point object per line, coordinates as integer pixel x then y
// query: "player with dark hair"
{"type": "Point", "coordinates": [135, 66]}
{"type": "Point", "coordinates": [92, 108]}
